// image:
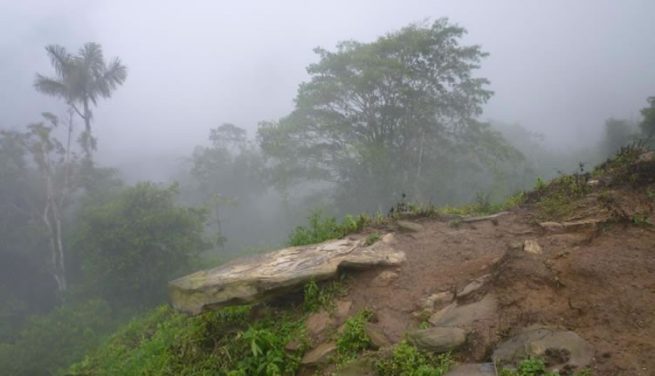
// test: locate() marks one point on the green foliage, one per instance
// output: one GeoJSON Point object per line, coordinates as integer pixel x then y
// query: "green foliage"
{"type": "Point", "coordinates": [223, 342]}
{"type": "Point", "coordinates": [557, 200]}
{"type": "Point", "coordinates": [49, 342]}
{"type": "Point", "coordinates": [536, 367]}
{"type": "Point", "coordinates": [648, 122]}
{"type": "Point", "coordinates": [132, 245]}
{"type": "Point", "coordinates": [372, 238]}
{"type": "Point", "coordinates": [321, 229]}
{"type": "Point", "coordinates": [394, 115]}
{"type": "Point", "coordinates": [321, 297]}
{"type": "Point", "coordinates": [354, 339]}
{"type": "Point", "coordinates": [407, 360]}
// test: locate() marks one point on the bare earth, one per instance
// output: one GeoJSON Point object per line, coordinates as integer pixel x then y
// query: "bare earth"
{"type": "Point", "coordinates": [596, 281]}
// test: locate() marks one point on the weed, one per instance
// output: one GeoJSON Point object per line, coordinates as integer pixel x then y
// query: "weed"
{"type": "Point", "coordinates": [536, 367]}
{"type": "Point", "coordinates": [354, 339]}
{"type": "Point", "coordinates": [372, 238]}
{"type": "Point", "coordinates": [408, 360]}
{"type": "Point", "coordinates": [540, 184]}
{"type": "Point", "coordinates": [316, 297]}
{"type": "Point", "coordinates": [322, 228]}
{"type": "Point", "coordinates": [641, 219]}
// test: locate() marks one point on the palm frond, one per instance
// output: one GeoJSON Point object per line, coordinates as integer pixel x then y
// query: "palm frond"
{"type": "Point", "coordinates": [52, 86]}
{"type": "Point", "coordinates": [114, 75]}
{"type": "Point", "coordinates": [59, 58]}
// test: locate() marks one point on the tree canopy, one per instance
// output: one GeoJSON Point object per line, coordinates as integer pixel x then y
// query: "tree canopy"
{"type": "Point", "coordinates": [387, 117]}
{"type": "Point", "coordinates": [81, 80]}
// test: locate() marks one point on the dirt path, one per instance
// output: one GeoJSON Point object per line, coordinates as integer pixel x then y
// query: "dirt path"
{"type": "Point", "coordinates": [598, 283]}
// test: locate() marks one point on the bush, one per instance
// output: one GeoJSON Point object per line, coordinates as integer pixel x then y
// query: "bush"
{"type": "Point", "coordinates": [223, 342]}
{"type": "Point", "coordinates": [407, 360]}
{"type": "Point", "coordinates": [47, 343]}
{"type": "Point", "coordinates": [133, 245]}
{"type": "Point", "coordinates": [321, 229]}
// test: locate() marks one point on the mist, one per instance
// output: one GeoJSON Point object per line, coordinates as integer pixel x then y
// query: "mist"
{"type": "Point", "coordinates": [227, 129]}
{"type": "Point", "coordinates": [557, 68]}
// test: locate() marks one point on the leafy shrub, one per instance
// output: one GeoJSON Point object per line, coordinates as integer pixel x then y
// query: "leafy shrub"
{"type": "Point", "coordinates": [354, 338]}
{"type": "Point", "coordinates": [536, 367]}
{"type": "Point", "coordinates": [407, 360]}
{"type": "Point", "coordinates": [317, 297]}
{"type": "Point", "coordinates": [321, 229]}
{"type": "Point", "coordinates": [49, 342]}
{"type": "Point", "coordinates": [132, 245]}
{"type": "Point", "coordinates": [223, 342]}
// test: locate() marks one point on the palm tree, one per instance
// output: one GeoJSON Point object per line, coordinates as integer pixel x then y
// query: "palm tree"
{"type": "Point", "coordinates": [81, 80]}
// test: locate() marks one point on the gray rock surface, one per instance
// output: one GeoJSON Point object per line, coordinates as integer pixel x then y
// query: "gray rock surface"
{"type": "Point", "coordinates": [556, 346]}
{"type": "Point", "coordinates": [264, 276]}
{"type": "Point", "coordinates": [465, 316]}
{"type": "Point", "coordinates": [437, 339]}
{"type": "Point", "coordinates": [320, 354]}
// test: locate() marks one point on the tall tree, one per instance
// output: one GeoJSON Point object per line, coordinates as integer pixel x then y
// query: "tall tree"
{"type": "Point", "coordinates": [648, 122]}
{"type": "Point", "coordinates": [380, 118]}
{"type": "Point", "coordinates": [81, 80]}
{"type": "Point", "coordinates": [55, 162]}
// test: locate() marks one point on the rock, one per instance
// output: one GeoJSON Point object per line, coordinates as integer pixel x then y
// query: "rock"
{"type": "Point", "coordinates": [532, 247]}
{"type": "Point", "coordinates": [409, 226]}
{"type": "Point", "coordinates": [437, 339]}
{"type": "Point", "coordinates": [384, 279]}
{"type": "Point", "coordinates": [264, 276]}
{"type": "Point", "coordinates": [437, 300]}
{"type": "Point", "coordinates": [484, 217]}
{"type": "Point", "coordinates": [377, 336]}
{"type": "Point", "coordinates": [593, 183]}
{"type": "Point", "coordinates": [474, 286]}
{"type": "Point", "coordinates": [465, 316]}
{"type": "Point", "coordinates": [317, 322]}
{"type": "Point", "coordinates": [558, 347]}
{"type": "Point", "coordinates": [320, 354]}
{"type": "Point", "coordinates": [473, 369]}
{"type": "Point", "coordinates": [552, 226]}
{"type": "Point", "coordinates": [342, 308]}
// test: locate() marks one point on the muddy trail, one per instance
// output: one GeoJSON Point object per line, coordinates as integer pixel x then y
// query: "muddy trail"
{"type": "Point", "coordinates": [589, 270]}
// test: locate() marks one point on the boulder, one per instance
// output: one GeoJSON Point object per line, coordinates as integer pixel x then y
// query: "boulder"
{"type": "Point", "coordinates": [437, 300]}
{"type": "Point", "coordinates": [437, 340]}
{"type": "Point", "coordinates": [465, 316]}
{"type": "Point", "coordinates": [319, 355]}
{"type": "Point", "coordinates": [473, 286]}
{"type": "Point", "coordinates": [317, 322]}
{"type": "Point", "coordinates": [561, 348]}
{"type": "Point", "coordinates": [377, 336]}
{"type": "Point", "coordinates": [258, 278]}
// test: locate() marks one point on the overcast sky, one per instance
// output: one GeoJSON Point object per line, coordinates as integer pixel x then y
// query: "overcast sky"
{"type": "Point", "coordinates": [557, 67]}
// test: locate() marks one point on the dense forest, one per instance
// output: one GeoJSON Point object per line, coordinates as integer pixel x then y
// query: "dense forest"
{"type": "Point", "coordinates": [377, 124]}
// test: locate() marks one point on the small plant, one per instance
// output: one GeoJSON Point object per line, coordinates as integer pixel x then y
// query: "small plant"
{"type": "Point", "coordinates": [539, 184]}
{"type": "Point", "coordinates": [353, 340]}
{"type": "Point", "coordinates": [536, 367]}
{"type": "Point", "coordinates": [372, 238]}
{"type": "Point", "coordinates": [322, 228]}
{"type": "Point", "coordinates": [641, 219]}
{"type": "Point", "coordinates": [408, 360]}
{"type": "Point", "coordinates": [316, 297]}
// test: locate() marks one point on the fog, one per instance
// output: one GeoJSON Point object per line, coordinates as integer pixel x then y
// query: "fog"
{"type": "Point", "coordinates": [559, 68]}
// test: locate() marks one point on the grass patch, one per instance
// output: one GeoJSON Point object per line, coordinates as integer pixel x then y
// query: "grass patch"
{"type": "Point", "coordinates": [223, 342]}
{"type": "Point", "coordinates": [353, 340]}
{"type": "Point", "coordinates": [536, 367]}
{"type": "Point", "coordinates": [407, 360]}
{"type": "Point", "coordinates": [558, 198]}
{"type": "Point", "coordinates": [321, 228]}
{"type": "Point", "coordinates": [322, 297]}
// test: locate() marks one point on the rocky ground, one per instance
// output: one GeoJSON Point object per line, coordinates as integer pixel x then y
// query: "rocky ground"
{"type": "Point", "coordinates": [577, 289]}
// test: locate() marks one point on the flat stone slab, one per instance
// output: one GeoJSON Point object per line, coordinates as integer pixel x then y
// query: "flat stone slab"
{"type": "Point", "coordinates": [465, 316]}
{"type": "Point", "coordinates": [260, 277]}
{"type": "Point", "coordinates": [557, 346]}
{"type": "Point", "coordinates": [437, 340]}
